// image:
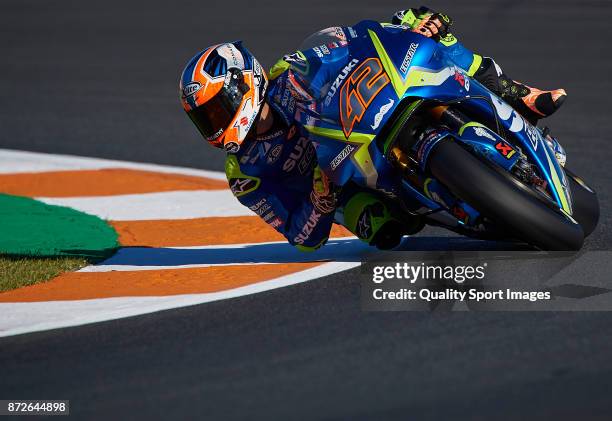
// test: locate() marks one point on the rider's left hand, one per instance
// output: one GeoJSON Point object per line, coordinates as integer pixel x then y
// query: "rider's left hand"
{"type": "Point", "coordinates": [435, 26]}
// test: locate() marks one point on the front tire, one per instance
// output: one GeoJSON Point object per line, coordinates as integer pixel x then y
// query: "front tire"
{"type": "Point", "coordinates": [499, 197]}
{"type": "Point", "coordinates": [584, 202]}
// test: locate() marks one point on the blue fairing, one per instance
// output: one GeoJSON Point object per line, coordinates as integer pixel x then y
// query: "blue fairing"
{"type": "Point", "coordinates": [381, 68]}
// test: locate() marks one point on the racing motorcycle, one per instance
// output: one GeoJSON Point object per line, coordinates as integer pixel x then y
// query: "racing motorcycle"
{"type": "Point", "coordinates": [412, 126]}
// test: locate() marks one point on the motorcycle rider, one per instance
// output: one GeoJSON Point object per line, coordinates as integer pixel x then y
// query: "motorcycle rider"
{"type": "Point", "coordinates": [271, 163]}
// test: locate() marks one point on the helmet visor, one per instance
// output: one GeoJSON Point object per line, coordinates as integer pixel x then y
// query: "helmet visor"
{"type": "Point", "coordinates": [214, 117]}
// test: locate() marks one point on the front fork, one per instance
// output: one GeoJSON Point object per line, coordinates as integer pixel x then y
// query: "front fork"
{"type": "Point", "coordinates": [431, 188]}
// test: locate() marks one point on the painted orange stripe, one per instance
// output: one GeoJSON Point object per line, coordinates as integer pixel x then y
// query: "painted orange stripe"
{"type": "Point", "coordinates": [88, 285]}
{"type": "Point", "coordinates": [202, 232]}
{"type": "Point", "coordinates": [104, 182]}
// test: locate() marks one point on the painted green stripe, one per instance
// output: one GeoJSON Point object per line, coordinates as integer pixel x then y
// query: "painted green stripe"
{"type": "Point", "coordinates": [475, 65]}
{"type": "Point", "coordinates": [399, 123]}
{"type": "Point", "coordinates": [565, 206]}
{"type": "Point", "coordinates": [361, 157]}
{"type": "Point", "coordinates": [309, 249]}
{"type": "Point", "coordinates": [32, 228]}
{"type": "Point", "coordinates": [470, 124]}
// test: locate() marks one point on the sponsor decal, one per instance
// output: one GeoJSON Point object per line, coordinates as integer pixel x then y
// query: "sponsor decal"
{"type": "Point", "coordinates": [260, 82]}
{"type": "Point", "coordinates": [462, 79]}
{"type": "Point", "coordinates": [296, 154]}
{"type": "Point", "coordinates": [271, 136]}
{"type": "Point", "coordinates": [339, 33]}
{"type": "Point", "coordinates": [291, 105]}
{"type": "Point", "coordinates": [394, 26]}
{"type": "Point", "coordinates": [408, 58]}
{"type": "Point", "coordinates": [244, 121]}
{"type": "Point", "coordinates": [232, 147]}
{"type": "Point", "coordinates": [364, 226]}
{"type": "Point", "coordinates": [504, 111]}
{"type": "Point", "coordinates": [381, 113]}
{"type": "Point", "coordinates": [274, 154]}
{"type": "Point", "coordinates": [269, 216]}
{"type": "Point", "coordinates": [460, 213]}
{"type": "Point", "coordinates": [399, 15]}
{"type": "Point", "coordinates": [306, 163]}
{"type": "Point", "coordinates": [360, 89]}
{"type": "Point", "coordinates": [342, 156]}
{"type": "Point", "coordinates": [298, 57]}
{"type": "Point", "coordinates": [506, 150]}
{"type": "Point", "coordinates": [240, 185]}
{"type": "Point", "coordinates": [264, 147]}
{"type": "Point", "coordinates": [318, 51]}
{"type": "Point", "coordinates": [288, 101]}
{"type": "Point", "coordinates": [343, 74]}
{"type": "Point", "coordinates": [307, 229]}
{"type": "Point", "coordinates": [261, 207]}
{"type": "Point", "coordinates": [325, 50]}
{"type": "Point", "coordinates": [427, 138]}
{"type": "Point", "coordinates": [214, 136]}
{"type": "Point", "coordinates": [532, 133]}
{"type": "Point", "coordinates": [231, 55]}
{"type": "Point", "coordinates": [482, 132]}
{"type": "Point", "coordinates": [352, 32]}
{"type": "Point", "coordinates": [276, 222]}
{"type": "Point", "coordinates": [191, 88]}
{"type": "Point", "coordinates": [285, 99]}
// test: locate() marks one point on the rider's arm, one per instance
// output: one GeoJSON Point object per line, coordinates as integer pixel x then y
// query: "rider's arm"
{"type": "Point", "coordinates": [452, 48]}
{"type": "Point", "coordinates": [304, 226]}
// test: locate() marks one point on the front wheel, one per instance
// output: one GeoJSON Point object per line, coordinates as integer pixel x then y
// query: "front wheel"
{"type": "Point", "coordinates": [584, 203]}
{"type": "Point", "coordinates": [500, 197]}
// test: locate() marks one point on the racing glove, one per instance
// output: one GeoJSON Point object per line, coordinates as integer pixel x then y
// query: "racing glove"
{"type": "Point", "coordinates": [425, 22]}
{"type": "Point", "coordinates": [323, 196]}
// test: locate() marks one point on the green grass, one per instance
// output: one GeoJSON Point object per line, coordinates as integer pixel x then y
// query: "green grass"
{"type": "Point", "coordinates": [20, 271]}
{"type": "Point", "coordinates": [40, 241]}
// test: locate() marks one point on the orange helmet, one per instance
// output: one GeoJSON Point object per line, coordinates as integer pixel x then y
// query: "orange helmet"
{"type": "Point", "coordinates": [222, 90]}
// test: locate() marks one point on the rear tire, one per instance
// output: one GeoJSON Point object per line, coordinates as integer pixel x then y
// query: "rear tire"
{"type": "Point", "coordinates": [500, 197]}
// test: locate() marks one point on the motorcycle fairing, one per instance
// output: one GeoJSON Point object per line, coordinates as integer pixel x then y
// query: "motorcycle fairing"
{"type": "Point", "coordinates": [420, 72]}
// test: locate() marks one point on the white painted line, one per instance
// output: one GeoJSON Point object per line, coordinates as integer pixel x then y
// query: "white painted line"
{"type": "Point", "coordinates": [145, 258]}
{"type": "Point", "coordinates": [165, 205]}
{"type": "Point", "coordinates": [20, 318]}
{"type": "Point", "coordinates": [13, 161]}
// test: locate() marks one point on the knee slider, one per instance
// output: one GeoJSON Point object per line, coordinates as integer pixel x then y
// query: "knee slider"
{"type": "Point", "coordinates": [366, 216]}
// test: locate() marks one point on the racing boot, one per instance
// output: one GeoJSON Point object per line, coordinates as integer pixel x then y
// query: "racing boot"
{"type": "Point", "coordinates": [532, 103]}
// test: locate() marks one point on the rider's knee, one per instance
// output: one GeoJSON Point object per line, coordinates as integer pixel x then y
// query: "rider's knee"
{"type": "Point", "coordinates": [371, 220]}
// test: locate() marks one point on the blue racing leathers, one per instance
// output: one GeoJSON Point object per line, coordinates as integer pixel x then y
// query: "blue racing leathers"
{"type": "Point", "coordinates": [273, 174]}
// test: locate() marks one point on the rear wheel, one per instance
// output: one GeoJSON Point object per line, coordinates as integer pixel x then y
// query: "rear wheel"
{"type": "Point", "coordinates": [503, 199]}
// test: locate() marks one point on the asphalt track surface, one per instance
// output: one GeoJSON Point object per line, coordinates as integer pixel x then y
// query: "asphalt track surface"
{"type": "Point", "coordinates": [99, 79]}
